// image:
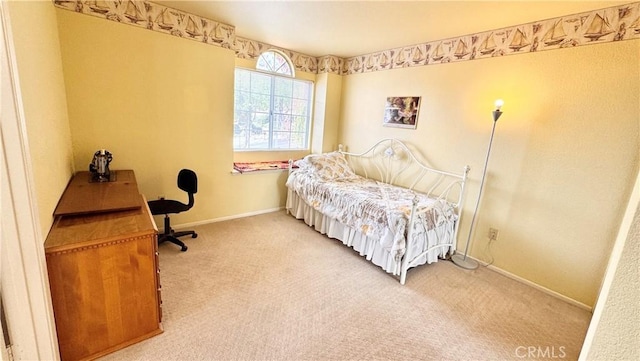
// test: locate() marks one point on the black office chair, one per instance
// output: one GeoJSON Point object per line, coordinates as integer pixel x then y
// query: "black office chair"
{"type": "Point", "coordinates": [188, 182]}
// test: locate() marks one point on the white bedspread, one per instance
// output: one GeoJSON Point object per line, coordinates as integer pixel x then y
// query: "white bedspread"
{"type": "Point", "coordinates": [377, 210]}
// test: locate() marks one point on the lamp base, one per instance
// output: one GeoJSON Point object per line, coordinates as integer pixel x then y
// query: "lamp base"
{"type": "Point", "coordinates": [464, 262]}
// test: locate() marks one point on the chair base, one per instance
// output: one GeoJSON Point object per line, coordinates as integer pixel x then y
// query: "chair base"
{"type": "Point", "coordinates": [170, 235]}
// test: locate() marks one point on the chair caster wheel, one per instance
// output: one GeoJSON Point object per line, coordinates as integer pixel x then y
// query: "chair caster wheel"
{"type": "Point", "coordinates": [184, 248]}
{"type": "Point", "coordinates": [195, 235]}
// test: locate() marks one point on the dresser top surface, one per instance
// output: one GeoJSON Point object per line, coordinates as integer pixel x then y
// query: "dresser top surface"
{"type": "Point", "coordinates": [73, 231]}
{"type": "Point", "coordinates": [84, 196]}
{"type": "Point", "coordinates": [99, 212]}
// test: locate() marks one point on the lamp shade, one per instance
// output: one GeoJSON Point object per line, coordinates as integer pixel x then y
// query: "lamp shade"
{"type": "Point", "coordinates": [497, 113]}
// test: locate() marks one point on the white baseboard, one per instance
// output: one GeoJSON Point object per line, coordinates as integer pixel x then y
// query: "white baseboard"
{"type": "Point", "coordinates": [235, 216]}
{"type": "Point", "coordinates": [535, 285]}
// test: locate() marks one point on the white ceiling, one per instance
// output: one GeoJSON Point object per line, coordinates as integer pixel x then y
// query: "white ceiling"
{"type": "Point", "coordinates": [350, 28]}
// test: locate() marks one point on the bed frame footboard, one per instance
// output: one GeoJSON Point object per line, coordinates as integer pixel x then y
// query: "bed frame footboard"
{"type": "Point", "coordinates": [391, 161]}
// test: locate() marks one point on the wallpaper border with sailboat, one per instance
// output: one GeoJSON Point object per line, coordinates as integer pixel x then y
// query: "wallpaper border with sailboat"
{"type": "Point", "coordinates": [144, 14]}
{"type": "Point", "coordinates": [155, 17]}
{"type": "Point", "coordinates": [615, 23]}
{"type": "Point", "coordinates": [251, 49]}
{"type": "Point", "coordinates": [593, 27]}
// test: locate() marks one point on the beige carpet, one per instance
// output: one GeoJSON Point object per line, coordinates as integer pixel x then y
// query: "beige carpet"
{"type": "Point", "coordinates": [269, 287]}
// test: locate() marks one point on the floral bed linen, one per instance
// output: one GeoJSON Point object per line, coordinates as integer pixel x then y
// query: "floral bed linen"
{"type": "Point", "coordinates": [375, 209]}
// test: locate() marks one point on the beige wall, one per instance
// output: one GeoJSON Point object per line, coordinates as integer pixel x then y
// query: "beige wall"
{"type": "Point", "coordinates": [159, 103]}
{"type": "Point", "coordinates": [42, 85]}
{"type": "Point", "coordinates": [563, 159]}
{"type": "Point", "coordinates": [615, 328]}
{"type": "Point", "coordinates": [327, 112]}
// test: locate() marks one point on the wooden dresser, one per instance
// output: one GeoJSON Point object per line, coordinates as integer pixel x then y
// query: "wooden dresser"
{"type": "Point", "coordinates": [103, 269]}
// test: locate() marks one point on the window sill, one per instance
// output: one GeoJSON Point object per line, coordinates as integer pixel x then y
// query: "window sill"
{"type": "Point", "coordinates": [236, 172]}
{"type": "Point", "coordinates": [260, 167]}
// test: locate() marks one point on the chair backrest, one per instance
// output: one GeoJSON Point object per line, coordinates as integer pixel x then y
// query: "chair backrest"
{"type": "Point", "coordinates": [188, 182]}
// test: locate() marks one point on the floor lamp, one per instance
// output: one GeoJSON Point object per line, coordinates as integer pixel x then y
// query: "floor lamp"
{"type": "Point", "coordinates": [459, 259]}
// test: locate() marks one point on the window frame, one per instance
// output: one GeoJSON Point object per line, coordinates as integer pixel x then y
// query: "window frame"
{"type": "Point", "coordinates": [284, 56]}
{"type": "Point", "coordinates": [310, 84]}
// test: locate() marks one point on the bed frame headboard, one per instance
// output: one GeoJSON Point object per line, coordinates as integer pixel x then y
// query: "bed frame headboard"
{"type": "Point", "coordinates": [391, 161]}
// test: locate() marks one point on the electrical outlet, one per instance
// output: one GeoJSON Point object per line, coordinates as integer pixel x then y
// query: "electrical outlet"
{"type": "Point", "coordinates": [493, 234]}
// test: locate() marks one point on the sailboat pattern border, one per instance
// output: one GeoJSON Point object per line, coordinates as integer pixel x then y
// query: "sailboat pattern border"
{"type": "Point", "coordinates": [594, 27]}
{"type": "Point", "coordinates": [251, 49]}
{"type": "Point", "coordinates": [144, 14]}
{"type": "Point", "coordinates": [151, 16]}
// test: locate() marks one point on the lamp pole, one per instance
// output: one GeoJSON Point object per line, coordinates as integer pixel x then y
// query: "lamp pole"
{"type": "Point", "coordinates": [462, 260]}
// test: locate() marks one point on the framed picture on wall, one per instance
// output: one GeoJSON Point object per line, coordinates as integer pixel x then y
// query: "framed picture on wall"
{"type": "Point", "coordinates": [401, 112]}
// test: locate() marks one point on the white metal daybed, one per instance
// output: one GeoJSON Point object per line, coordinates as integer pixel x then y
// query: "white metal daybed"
{"type": "Point", "coordinates": [384, 203]}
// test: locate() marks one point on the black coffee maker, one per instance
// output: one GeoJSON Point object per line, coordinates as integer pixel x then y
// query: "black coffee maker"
{"type": "Point", "coordinates": [99, 166]}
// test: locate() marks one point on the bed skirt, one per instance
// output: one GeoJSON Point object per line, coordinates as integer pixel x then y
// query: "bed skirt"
{"type": "Point", "coordinates": [368, 247]}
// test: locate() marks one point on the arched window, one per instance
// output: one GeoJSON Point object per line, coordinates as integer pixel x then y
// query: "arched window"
{"type": "Point", "coordinates": [273, 61]}
{"type": "Point", "coordinates": [272, 109]}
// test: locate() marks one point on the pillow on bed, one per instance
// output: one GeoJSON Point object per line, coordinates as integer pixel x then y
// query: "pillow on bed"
{"type": "Point", "coordinates": [302, 164]}
{"type": "Point", "coordinates": [329, 166]}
